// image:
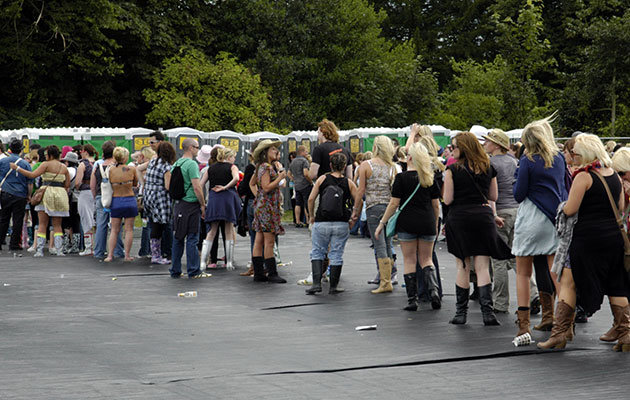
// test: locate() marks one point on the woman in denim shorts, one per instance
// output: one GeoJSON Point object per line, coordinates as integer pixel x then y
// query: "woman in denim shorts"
{"type": "Point", "coordinates": [417, 223]}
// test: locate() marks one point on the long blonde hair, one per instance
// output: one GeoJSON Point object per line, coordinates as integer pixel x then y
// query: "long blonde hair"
{"type": "Point", "coordinates": [537, 137]}
{"type": "Point", "coordinates": [422, 163]}
{"type": "Point", "coordinates": [432, 148]}
{"type": "Point", "coordinates": [383, 148]}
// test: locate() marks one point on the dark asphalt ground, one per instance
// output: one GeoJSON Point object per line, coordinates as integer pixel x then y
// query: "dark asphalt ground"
{"type": "Point", "coordinates": [69, 331]}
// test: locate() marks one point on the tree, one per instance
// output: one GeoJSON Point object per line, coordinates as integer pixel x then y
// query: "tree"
{"type": "Point", "coordinates": [191, 90]}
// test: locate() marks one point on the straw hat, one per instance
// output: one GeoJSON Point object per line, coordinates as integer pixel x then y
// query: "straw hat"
{"type": "Point", "coordinates": [204, 154]}
{"type": "Point", "coordinates": [265, 144]}
{"type": "Point", "coordinates": [498, 137]}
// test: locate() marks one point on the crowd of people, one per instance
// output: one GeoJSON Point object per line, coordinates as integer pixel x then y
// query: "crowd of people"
{"type": "Point", "coordinates": [557, 216]}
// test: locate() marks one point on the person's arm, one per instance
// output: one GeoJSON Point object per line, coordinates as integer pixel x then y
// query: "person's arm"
{"type": "Point", "coordinates": [435, 204]}
{"type": "Point", "coordinates": [199, 193]}
{"type": "Point", "coordinates": [307, 175]}
{"type": "Point", "coordinates": [93, 180]}
{"type": "Point", "coordinates": [78, 179]}
{"type": "Point", "coordinates": [493, 191]}
{"type": "Point", "coordinates": [31, 174]}
{"type": "Point", "coordinates": [449, 189]}
{"type": "Point", "coordinates": [394, 202]}
{"type": "Point", "coordinates": [137, 177]}
{"type": "Point", "coordinates": [267, 184]}
{"type": "Point", "coordinates": [28, 193]}
{"type": "Point", "coordinates": [142, 167]}
{"type": "Point", "coordinates": [66, 184]}
{"type": "Point", "coordinates": [312, 197]}
{"type": "Point", "coordinates": [412, 136]}
{"type": "Point", "coordinates": [253, 181]}
{"type": "Point", "coordinates": [349, 171]}
{"type": "Point", "coordinates": [521, 184]}
{"type": "Point", "coordinates": [232, 183]}
{"type": "Point", "coordinates": [580, 185]}
{"type": "Point", "coordinates": [204, 178]}
{"type": "Point", "coordinates": [167, 179]}
{"type": "Point", "coordinates": [312, 172]}
{"type": "Point", "coordinates": [354, 191]}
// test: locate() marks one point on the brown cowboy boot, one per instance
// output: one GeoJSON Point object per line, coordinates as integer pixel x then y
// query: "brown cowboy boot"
{"type": "Point", "coordinates": [571, 331]}
{"type": "Point", "coordinates": [613, 333]}
{"type": "Point", "coordinates": [561, 324]}
{"type": "Point", "coordinates": [385, 269]}
{"type": "Point", "coordinates": [624, 330]}
{"type": "Point", "coordinates": [523, 322]}
{"type": "Point", "coordinates": [546, 303]}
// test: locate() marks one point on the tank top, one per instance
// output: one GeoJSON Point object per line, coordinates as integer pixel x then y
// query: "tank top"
{"type": "Point", "coordinates": [219, 173]}
{"type": "Point", "coordinates": [378, 185]}
{"type": "Point", "coordinates": [595, 213]}
{"type": "Point", "coordinates": [85, 183]}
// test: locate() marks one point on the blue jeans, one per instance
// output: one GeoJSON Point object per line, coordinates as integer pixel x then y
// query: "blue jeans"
{"type": "Point", "coordinates": [334, 234]}
{"type": "Point", "coordinates": [382, 246]}
{"type": "Point", "coordinates": [250, 221]}
{"type": "Point", "coordinates": [145, 247]}
{"type": "Point", "coordinates": [192, 255]}
{"type": "Point", "coordinates": [100, 236]}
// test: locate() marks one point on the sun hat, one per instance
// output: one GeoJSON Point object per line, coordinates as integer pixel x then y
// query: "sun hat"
{"type": "Point", "coordinates": [71, 157]}
{"type": "Point", "coordinates": [498, 137]}
{"type": "Point", "coordinates": [204, 154]}
{"type": "Point", "coordinates": [265, 144]}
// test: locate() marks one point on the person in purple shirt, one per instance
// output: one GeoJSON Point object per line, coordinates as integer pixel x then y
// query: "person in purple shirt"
{"type": "Point", "coordinates": [539, 188]}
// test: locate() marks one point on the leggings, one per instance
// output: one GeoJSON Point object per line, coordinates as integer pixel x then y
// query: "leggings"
{"type": "Point", "coordinates": [543, 276]}
{"type": "Point", "coordinates": [73, 221]}
{"type": "Point", "coordinates": [215, 245]}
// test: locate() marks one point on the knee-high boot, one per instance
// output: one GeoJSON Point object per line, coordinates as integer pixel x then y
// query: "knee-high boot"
{"type": "Point", "coordinates": [432, 287]}
{"type": "Point", "coordinates": [461, 306]}
{"type": "Point", "coordinates": [335, 275]}
{"type": "Point", "coordinates": [58, 241]}
{"type": "Point", "coordinates": [385, 270]}
{"type": "Point", "coordinates": [87, 241]}
{"type": "Point", "coordinates": [546, 303]}
{"type": "Point", "coordinates": [316, 267]}
{"type": "Point", "coordinates": [40, 242]}
{"type": "Point", "coordinates": [487, 309]}
{"type": "Point", "coordinates": [272, 274]}
{"type": "Point", "coordinates": [229, 255]}
{"type": "Point", "coordinates": [205, 249]}
{"type": "Point", "coordinates": [259, 269]}
{"type": "Point", "coordinates": [411, 286]}
{"type": "Point", "coordinates": [561, 324]}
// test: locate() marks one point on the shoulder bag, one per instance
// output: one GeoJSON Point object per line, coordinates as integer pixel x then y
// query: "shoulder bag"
{"type": "Point", "coordinates": [38, 196]}
{"type": "Point", "coordinates": [624, 234]}
{"type": "Point", "coordinates": [107, 192]}
{"type": "Point", "coordinates": [390, 229]}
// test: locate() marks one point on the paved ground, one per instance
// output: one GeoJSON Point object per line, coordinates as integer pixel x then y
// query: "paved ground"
{"type": "Point", "coordinates": [69, 331]}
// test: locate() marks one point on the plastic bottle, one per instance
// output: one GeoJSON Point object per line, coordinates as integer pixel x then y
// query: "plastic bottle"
{"type": "Point", "coordinates": [188, 294]}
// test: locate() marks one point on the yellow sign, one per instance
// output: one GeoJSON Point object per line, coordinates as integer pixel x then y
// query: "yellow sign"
{"type": "Point", "coordinates": [307, 143]}
{"type": "Point", "coordinates": [230, 143]}
{"type": "Point", "coordinates": [292, 145]}
{"type": "Point", "coordinates": [182, 138]}
{"type": "Point", "coordinates": [27, 145]}
{"type": "Point", "coordinates": [141, 142]}
{"type": "Point", "coordinates": [354, 145]}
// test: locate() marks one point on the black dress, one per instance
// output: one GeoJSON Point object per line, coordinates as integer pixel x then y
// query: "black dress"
{"type": "Point", "coordinates": [470, 226]}
{"type": "Point", "coordinates": [596, 250]}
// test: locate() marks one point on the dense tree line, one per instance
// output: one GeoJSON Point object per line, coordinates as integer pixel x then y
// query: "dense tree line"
{"type": "Point", "coordinates": [284, 65]}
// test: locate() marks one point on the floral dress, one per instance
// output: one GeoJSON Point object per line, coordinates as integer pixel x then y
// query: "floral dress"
{"type": "Point", "coordinates": [157, 200]}
{"type": "Point", "coordinates": [267, 206]}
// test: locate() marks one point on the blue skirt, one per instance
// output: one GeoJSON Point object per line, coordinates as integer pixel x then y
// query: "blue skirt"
{"type": "Point", "coordinates": [534, 233]}
{"type": "Point", "coordinates": [223, 206]}
{"type": "Point", "coordinates": [124, 207]}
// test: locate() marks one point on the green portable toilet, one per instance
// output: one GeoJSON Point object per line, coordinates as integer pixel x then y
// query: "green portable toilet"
{"type": "Point", "coordinates": [48, 136]}
{"type": "Point", "coordinates": [177, 135]}
{"type": "Point", "coordinates": [97, 136]}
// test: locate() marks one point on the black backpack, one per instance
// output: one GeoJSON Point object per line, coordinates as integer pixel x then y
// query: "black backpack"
{"type": "Point", "coordinates": [331, 204]}
{"type": "Point", "coordinates": [177, 187]}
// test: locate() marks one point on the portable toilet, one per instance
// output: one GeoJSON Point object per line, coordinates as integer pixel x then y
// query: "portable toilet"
{"type": "Point", "coordinates": [97, 136]}
{"type": "Point", "coordinates": [231, 140]}
{"type": "Point", "coordinates": [177, 135]}
{"type": "Point", "coordinates": [140, 138]}
{"type": "Point", "coordinates": [49, 136]}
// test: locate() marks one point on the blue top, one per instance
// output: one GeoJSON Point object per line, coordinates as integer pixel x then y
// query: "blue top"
{"type": "Point", "coordinates": [16, 183]}
{"type": "Point", "coordinates": [545, 187]}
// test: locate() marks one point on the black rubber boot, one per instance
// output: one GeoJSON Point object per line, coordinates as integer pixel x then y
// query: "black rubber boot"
{"type": "Point", "coordinates": [259, 269]}
{"type": "Point", "coordinates": [335, 275]}
{"type": "Point", "coordinates": [412, 292]}
{"type": "Point", "coordinates": [316, 267]}
{"type": "Point", "coordinates": [487, 309]}
{"type": "Point", "coordinates": [272, 275]}
{"type": "Point", "coordinates": [430, 279]}
{"type": "Point", "coordinates": [461, 306]}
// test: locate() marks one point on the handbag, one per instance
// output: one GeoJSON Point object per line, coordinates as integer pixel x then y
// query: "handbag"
{"type": "Point", "coordinates": [107, 192]}
{"type": "Point", "coordinates": [624, 234]}
{"type": "Point", "coordinates": [2, 183]}
{"type": "Point", "coordinates": [390, 228]}
{"type": "Point", "coordinates": [38, 196]}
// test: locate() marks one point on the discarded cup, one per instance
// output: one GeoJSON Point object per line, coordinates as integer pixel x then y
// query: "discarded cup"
{"type": "Point", "coordinates": [365, 328]}
{"type": "Point", "coordinates": [188, 294]}
{"type": "Point", "coordinates": [114, 279]}
{"type": "Point", "coordinates": [522, 340]}
{"type": "Point", "coordinates": [7, 284]}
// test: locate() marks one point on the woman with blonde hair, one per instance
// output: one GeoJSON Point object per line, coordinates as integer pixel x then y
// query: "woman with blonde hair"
{"type": "Point", "coordinates": [470, 185]}
{"type": "Point", "coordinates": [224, 204]}
{"type": "Point", "coordinates": [417, 223]}
{"type": "Point", "coordinates": [375, 178]}
{"type": "Point", "coordinates": [539, 188]}
{"type": "Point", "coordinates": [596, 251]}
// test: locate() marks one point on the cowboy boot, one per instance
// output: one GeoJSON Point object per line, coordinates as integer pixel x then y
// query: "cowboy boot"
{"type": "Point", "coordinates": [316, 266]}
{"type": "Point", "coordinates": [335, 275]}
{"type": "Point", "coordinates": [249, 272]}
{"type": "Point", "coordinates": [624, 330]}
{"type": "Point", "coordinates": [571, 331]}
{"type": "Point", "coordinates": [259, 269]}
{"type": "Point", "coordinates": [487, 307]}
{"type": "Point", "coordinates": [431, 282]}
{"type": "Point", "coordinates": [561, 324]}
{"type": "Point", "coordinates": [523, 322]}
{"type": "Point", "coordinates": [385, 269]}
{"type": "Point", "coordinates": [205, 249]}
{"type": "Point", "coordinates": [272, 275]}
{"type": "Point", "coordinates": [411, 286]}
{"type": "Point", "coordinates": [546, 303]}
{"type": "Point", "coordinates": [461, 305]}
{"type": "Point", "coordinates": [613, 333]}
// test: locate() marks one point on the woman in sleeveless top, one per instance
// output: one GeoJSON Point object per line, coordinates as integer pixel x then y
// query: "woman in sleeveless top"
{"type": "Point", "coordinates": [224, 204]}
{"type": "Point", "coordinates": [54, 203]}
{"type": "Point", "coordinates": [124, 204]}
{"type": "Point", "coordinates": [72, 223]}
{"type": "Point", "coordinates": [375, 180]}
{"type": "Point", "coordinates": [597, 250]}
{"type": "Point", "coordinates": [86, 199]}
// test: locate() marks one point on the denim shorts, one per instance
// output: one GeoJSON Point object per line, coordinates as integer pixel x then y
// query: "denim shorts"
{"type": "Point", "coordinates": [412, 237]}
{"type": "Point", "coordinates": [124, 207]}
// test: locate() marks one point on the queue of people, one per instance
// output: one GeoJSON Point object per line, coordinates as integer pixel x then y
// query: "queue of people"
{"type": "Point", "coordinates": [545, 212]}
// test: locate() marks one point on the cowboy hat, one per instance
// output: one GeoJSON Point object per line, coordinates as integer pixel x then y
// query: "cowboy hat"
{"type": "Point", "coordinates": [265, 144]}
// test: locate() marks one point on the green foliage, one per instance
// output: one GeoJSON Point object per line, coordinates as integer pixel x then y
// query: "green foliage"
{"type": "Point", "coordinates": [191, 90]}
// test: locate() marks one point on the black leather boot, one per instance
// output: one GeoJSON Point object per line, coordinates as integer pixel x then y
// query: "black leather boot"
{"type": "Point", "coordinates": [487, 309]}
{"type": "Point", "coordinates": [272, 274]}
{"type": "Point", "coordinates": [430, 279]}
{"type": "Point", "coordinates": [316, 267]}
{"type": "Point", "coordinates": [412, 292]}
{"type": "Point", "coordinates": [461, 306]}
{"type": "Point", "coordinates": [259, 269]}
{"type": "Point", "coordinates": [335, 275]}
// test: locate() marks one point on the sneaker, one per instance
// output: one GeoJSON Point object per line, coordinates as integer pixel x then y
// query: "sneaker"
{"type": "Point", "coordinates": [31, 249]}
{"type": "Point", "coordinates": [308, 281]}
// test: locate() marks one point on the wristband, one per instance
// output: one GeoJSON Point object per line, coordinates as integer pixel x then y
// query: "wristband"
{"type": "Point", "coordinates": [381, 222]}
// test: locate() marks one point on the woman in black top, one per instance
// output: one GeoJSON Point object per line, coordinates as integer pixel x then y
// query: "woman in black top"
{"type": "Point", "coordinates": [330, 224]}
{"type": "Point", "coordinates": [597, 249]}
{"type": "Point", "coordinates": [470, 185]}
{"type": "Point", "coordinates": [417, 223]}
{"type": "Point", "coordinates": [245, 191]}
{"type": "Point", "coordinates": [223, 203]}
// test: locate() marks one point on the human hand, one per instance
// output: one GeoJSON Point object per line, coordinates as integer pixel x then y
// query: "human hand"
{"type": "Point", "coordinates": [499, 221]}
{"type": "Point", "coordinates": [13, 166]}
{"type": "Point", "coordinates": [218, 188]}
{"type": "Point", "coordinates": [378, 231]}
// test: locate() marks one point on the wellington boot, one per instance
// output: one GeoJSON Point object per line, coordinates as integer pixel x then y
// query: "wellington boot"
{"type": "Point", "coordinates": [461, 305]}
{"type": "Point", "coordinates": [523, 322]}
{"type": "Point", "coordinates": [385, 270]}
{"type": "Point", "coordinates": [40, 242]}
{"type": "Point", "coordinates": [487, 307]}
{"type": "Point", "coordinates": [259, 269]}
{"type": "Point", "coordinates": [411, 285]}
{"type": "Point", "coordinates": [624, 330]}
{"type": "Point", "coordinates": [613, 333]}
{"type": "Point", "coordinates": [546, 303]}
{"type": "Point", "coordinates": [87, 242]}
{"type": "Point", "coordinates": [229, 256]}
{"type": "Point", "coordinates": [272, 274]}
{"type": "Point", "coordinates": [316, 267]}
{"type": "Point", "coordinates": [561, 324]}
{"type": "Point", "coordinates": [335, 276]}
{"type": "Point", "coordinates": [205, 249]}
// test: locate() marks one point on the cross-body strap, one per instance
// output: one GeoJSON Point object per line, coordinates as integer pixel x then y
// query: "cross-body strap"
{"type": "Point", "coordinates": [5, 177]}
{"type": "Point", "coordinates": [612, 200]}
{"type": "Point", "coordinates": [475, 183]}
{"type": "Point", "coordinates": [409, 198]}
